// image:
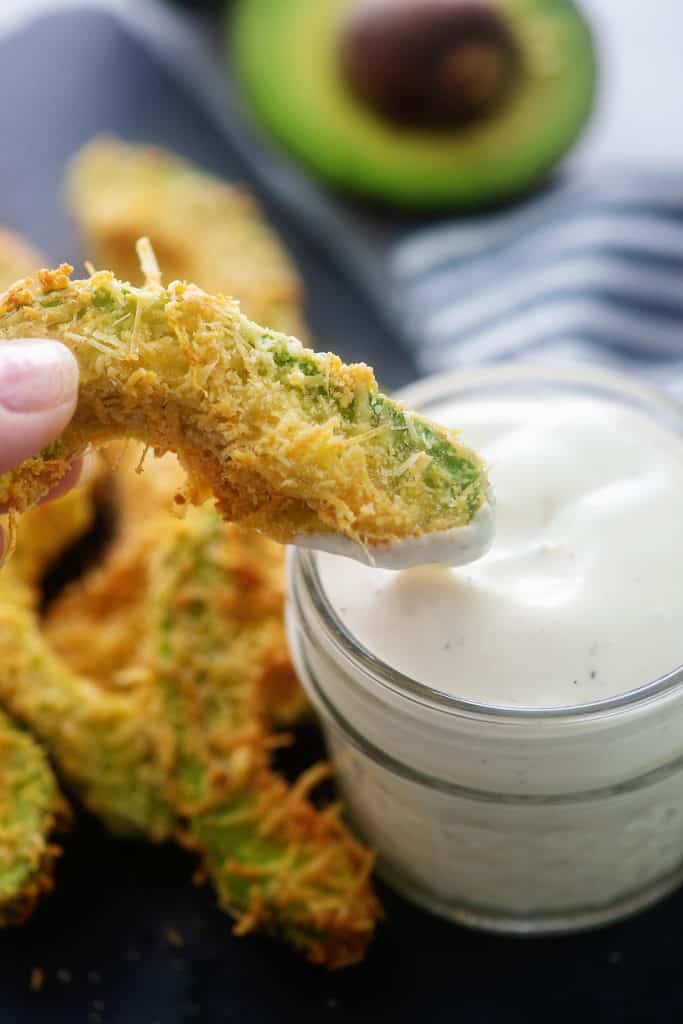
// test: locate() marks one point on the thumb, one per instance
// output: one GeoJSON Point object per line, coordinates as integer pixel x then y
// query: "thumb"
{"type": "Point", "coordinates": [38, 394]}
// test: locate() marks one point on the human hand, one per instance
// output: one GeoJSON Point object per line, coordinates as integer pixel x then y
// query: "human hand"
{"type": "Point", "coordinates": [38, 394]}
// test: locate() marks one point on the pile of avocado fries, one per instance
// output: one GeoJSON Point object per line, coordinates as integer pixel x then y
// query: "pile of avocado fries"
{"type": "Point", "coordinates": [165, 722]}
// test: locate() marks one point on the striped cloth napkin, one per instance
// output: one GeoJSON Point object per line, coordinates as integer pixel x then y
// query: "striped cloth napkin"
{"type": "Point", "coordinates": [591, 270]}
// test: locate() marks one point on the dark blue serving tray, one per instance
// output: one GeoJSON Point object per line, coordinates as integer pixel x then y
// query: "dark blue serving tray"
{"type": "Point", "coordinates": [106, 939]}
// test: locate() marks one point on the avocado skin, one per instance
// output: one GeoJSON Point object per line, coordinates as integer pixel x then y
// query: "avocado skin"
{"type": "Point", "coordinates": [285, 57]}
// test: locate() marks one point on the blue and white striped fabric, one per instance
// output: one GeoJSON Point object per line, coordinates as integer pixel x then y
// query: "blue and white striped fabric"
{"type": "Point", "coordinates": [591, 270]}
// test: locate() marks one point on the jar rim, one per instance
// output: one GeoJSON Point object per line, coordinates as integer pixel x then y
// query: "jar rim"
{"type": "Point", "coordinates": [423, 395]}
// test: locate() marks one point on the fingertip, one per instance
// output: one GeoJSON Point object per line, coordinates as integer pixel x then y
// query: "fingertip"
{"type": "Point", "coordinates": [38, 396]}
{"type": "Point", "coordinates": [37, 375]}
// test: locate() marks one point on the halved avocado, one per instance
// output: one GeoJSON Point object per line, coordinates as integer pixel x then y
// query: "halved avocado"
{"type": "Point", "coordinates": [321, 75]}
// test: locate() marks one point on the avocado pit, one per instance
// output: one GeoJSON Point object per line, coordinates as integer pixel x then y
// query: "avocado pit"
{"type": "Point", "coordinates": [429, 63]}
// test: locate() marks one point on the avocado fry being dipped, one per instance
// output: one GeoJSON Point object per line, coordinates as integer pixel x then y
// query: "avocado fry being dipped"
{"type": "Point", "coordinates": [420, 103]}
{"type": "Point", "coordinates": [202, 229]}
{"type": "Point", "coordinates": [290, 441]}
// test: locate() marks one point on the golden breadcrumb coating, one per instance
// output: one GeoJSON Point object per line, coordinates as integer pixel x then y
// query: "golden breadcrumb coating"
{"type": "Point", "coordinates": [202, 229]}
{"type": "Point", "coordinates": [288, 440]}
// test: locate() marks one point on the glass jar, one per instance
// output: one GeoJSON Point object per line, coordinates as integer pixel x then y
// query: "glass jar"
{"type": "Point", "coordinates": [511, 819]}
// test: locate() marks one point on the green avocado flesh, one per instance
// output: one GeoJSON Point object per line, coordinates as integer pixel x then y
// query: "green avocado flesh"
{"type": "Point", "coordinates": [286, 57]}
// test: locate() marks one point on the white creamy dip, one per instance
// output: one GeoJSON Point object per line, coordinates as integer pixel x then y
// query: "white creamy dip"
{"type": "Point", "coordinates": [457, 702]}
{"type": "Point", "coordinates": [581, 596]}
{"type": "Point", "coordinates": [457, 546]}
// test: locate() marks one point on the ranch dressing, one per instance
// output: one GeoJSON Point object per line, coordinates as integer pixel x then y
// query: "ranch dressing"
{"type": "Point", "coordinates": [508, 735]}
{"type": "Point", "coordinates": [581, 596]}
{"type": "Point", "coordinates": [457, 546]}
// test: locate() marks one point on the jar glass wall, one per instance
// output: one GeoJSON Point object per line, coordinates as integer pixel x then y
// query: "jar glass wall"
{"type": "Point", "coordinates": [514, 819]}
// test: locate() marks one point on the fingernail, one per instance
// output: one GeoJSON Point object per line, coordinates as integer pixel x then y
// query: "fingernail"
{"type": "Point", "coordinates": [36, 375]}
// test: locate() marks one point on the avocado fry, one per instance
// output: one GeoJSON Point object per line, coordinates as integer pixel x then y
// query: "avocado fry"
{"type": "Point", "coordinates": [101, 753]}
{"type": "Point", "coordinates": [292, 442]}
{"type": "Point", "coordinates": [176, 743]}
{"type": "Point", "coordinates": [108, 603]}
{"type": "Point", "coordinates": [32, 809]}
{"type": "Point", "coordinates": [277, 863]}
{"type": "Point", "coordinates": [31, 806]}
{"type": "Point", "coordinates": [119, 192]}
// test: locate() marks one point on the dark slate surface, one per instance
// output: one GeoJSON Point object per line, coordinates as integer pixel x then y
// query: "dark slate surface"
{"type": "Point", "coordinates": [102, 938]}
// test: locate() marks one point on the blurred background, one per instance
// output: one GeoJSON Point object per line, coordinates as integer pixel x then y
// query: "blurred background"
{"type": "Point", "coordinates": [434, 184]}
{"type": "Point", "coordinates": [383, 211]}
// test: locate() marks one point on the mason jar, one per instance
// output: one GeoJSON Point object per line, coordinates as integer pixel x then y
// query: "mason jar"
{"type": "Point", "coordinates": [512, 819]}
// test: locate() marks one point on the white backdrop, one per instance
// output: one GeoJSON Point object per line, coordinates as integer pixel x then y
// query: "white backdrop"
{"type": "Point", "coordinates": [640, 114]}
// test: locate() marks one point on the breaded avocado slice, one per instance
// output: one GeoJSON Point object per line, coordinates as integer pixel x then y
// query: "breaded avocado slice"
{"type": "Point", "coordinates": [101, 752]}
{"type": "Point", "coordinates": [203, 229]}
{"type": "Point", "coordinates": [419, 103]}
{"type": "Point", "coordinates": [107, 604]}
{"type": "Point", "coordinates": [290, 441]}
{"type": "Point", "coordinates": [31, 811]}
{"type": "Point", "coordinates": [277, 864]}
{"type": "Point", "coordinates": [31, 807]}
{"type": "Point", "coordinates": [176, 741]}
